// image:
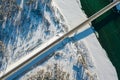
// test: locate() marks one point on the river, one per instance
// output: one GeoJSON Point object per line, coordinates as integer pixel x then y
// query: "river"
{"type": "Point", "coordinates": [108, 28]}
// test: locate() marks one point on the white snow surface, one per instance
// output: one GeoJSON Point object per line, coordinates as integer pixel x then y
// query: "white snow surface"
{"type": "Point", "coordinates": [98, 64]}
{"type": "Point", "coordinates": [74, 16]}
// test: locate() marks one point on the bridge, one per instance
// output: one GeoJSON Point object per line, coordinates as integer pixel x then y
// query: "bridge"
{"type": "Point", "coordinates": [51, 43]}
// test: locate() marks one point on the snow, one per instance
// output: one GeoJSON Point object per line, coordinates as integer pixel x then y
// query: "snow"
{"type": "Point", "coordinates": [19, 13]}
{"type": "Point", "coordinates": [104, 68]}
{"type": "Point", "coordinates": [32, 28]}
{"type": "Point", "coordinates": [95, 65]}
{"type": "Point", "coordinates": [36, 50]}
{"type": "Point", "coordinates": [63, 58]}
{"type": "Point", "coordinates": [71, 10]}
{"type": "Point", "coordinates": [118, 7]}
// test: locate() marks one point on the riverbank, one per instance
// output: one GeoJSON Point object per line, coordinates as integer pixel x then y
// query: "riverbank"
{"type": "Point", "coordinates": [82, 51]}
{"type": "Point", "coordinates": [108, 27]}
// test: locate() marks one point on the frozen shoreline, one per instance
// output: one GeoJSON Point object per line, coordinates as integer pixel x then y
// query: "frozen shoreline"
{"type": "Point", "coordinates": [71, 11]}
{"type": "Point", "coordinates": [104, 68]}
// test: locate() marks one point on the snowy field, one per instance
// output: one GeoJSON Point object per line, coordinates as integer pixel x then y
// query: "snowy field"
{"type": "Point", "coordinates": [24, 29]}
{"type": "Point", "coordinates": [37, 23]}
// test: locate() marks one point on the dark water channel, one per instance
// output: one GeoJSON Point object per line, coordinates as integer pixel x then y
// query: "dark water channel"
{"type": "Point", "coordinates": [108, 27]}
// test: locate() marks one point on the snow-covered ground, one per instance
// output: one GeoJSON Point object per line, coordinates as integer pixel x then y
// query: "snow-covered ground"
{"type": "Point", "coordinates": [25, 28]}
{"type": "Point", "coordinates": [84, 59]}
{"type": "Point", "coordinates": [104, 68]}
{"type": "Point", "coordinates": [98, 65]}
{"type": "Point", "coordinates": [72, 62]}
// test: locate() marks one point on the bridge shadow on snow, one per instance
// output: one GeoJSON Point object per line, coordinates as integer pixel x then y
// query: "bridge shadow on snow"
{"type": "Point", "coordinates": [45, 56]}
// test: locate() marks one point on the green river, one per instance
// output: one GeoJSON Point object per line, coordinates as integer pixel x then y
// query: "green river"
{"type": "Point", "coordinates": [108, 27]}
